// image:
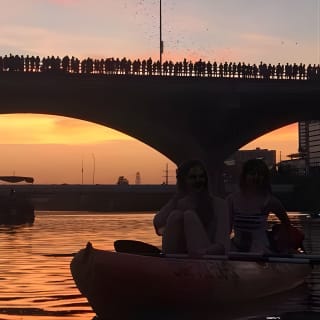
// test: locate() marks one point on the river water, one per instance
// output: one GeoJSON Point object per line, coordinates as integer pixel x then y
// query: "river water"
{"type": "Point", "coordinates": [35, 279]}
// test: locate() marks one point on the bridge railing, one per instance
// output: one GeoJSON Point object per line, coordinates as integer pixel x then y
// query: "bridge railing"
{"type": "Point", "coordinates": [148, 67]}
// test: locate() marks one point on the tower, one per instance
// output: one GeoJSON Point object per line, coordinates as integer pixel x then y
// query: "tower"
{"type": "Point", "coordinates": [138, 178]}
{"type": "Point", "coordinates": [166, 175]}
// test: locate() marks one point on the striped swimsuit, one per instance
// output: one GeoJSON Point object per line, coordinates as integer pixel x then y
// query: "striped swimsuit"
{"type": "Point", "coordinates": [250, 231]}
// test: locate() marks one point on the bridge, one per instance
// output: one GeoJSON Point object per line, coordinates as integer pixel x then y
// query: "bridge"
{"type": "Point", "coordinates": [182, 117]}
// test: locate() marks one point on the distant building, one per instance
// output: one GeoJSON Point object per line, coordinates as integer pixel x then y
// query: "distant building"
{"type": "Point", "coordinates": [122, 181]}
{"type": "Point", "coordinates": [296, 167]}
{"type": "Point", "coordinates": [138, 178]}
{"type": "Point", "coordinates": [234, 163]}
{"type": "Point", "coordinates": [309, 144]}
{"type": "Point", "coordinates": [241, 156]}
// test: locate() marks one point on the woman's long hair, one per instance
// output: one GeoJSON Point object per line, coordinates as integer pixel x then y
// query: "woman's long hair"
{"type": "Point", "coordinates": [182, 173]}
{"type": "Point", "coordinates": [204, 207]}
{"type": "Point", "coordinates": [256, 166]}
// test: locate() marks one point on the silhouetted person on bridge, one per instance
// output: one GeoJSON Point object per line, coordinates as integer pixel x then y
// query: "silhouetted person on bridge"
{"type": "Point", "coordinates": [112, 66]}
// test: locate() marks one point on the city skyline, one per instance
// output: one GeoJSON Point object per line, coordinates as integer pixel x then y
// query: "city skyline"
{"type": "Point", "coordinates": [236, 31]}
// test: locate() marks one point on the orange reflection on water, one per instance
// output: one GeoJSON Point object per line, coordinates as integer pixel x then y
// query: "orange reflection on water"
{"type": "Point", "coordinates": [36, 282]}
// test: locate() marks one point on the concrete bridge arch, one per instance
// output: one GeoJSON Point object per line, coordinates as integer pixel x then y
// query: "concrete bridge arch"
{"type": "Point", "coordinates": [181, 117]}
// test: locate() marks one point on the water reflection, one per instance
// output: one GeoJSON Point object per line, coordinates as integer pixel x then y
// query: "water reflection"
{"type": "Point", "coordinates": [36, 282]}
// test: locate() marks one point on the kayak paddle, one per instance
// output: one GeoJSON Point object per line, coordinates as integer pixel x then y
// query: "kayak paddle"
{"type": "Point", "coordinates": [143, 248]}
{"type": "Point", "coordinates": [136, 247]}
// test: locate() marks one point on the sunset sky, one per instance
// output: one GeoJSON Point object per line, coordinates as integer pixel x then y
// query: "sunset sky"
{"type": "Point", "coordinates": [54, 149]}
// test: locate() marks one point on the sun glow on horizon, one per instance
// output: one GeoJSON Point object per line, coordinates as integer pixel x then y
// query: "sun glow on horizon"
{"type": "Point", "coordinates": [53, 149]}
{"type": "Point", "coordinates": [56, 149]}
{"type": "Point", "coordinates": [50, 129]}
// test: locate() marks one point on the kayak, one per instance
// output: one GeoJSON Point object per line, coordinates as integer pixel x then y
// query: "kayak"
{"type": "Point", "coordinates": [122, 283]}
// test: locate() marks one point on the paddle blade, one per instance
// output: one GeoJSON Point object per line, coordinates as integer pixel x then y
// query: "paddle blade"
{"type": "Point", "coordinates": [136, 247]}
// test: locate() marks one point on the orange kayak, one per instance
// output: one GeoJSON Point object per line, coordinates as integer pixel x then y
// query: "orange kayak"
{"type": "Point", "coordinates": [121, 284]}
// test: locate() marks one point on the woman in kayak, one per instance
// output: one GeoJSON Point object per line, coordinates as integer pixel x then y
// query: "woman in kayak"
{"type": "Point", "coordinates": [193, 221]}
{"type": "Point", "coordinates": [249, 209]}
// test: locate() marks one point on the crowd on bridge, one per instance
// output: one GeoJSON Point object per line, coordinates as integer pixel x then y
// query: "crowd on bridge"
{"type": "Point", "coordinates": [124, 66]}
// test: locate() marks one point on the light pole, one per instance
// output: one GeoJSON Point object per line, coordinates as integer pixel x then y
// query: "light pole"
{"type": "Point", "coordinates": [161, 42]}
{"type": "Point", "coordinates": [318, 31]}
{"type": "Point", "coordinates": [82, 171]}
{"type": "Point", "coordinates": [94, 167]}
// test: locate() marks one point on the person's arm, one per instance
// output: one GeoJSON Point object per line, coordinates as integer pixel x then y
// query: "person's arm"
{"type": "Point", "coordinates": [230, 212]}
{"type": "Point", "coordinates": [160, 218]}
{"type": "Point", "coordinates": [278, 209]}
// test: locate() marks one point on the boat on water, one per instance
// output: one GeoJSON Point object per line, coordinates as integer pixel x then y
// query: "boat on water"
{"type": "Point", "coordinates": [118, 285]}
{"type": "Point", "coordinates": [14, 208]}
